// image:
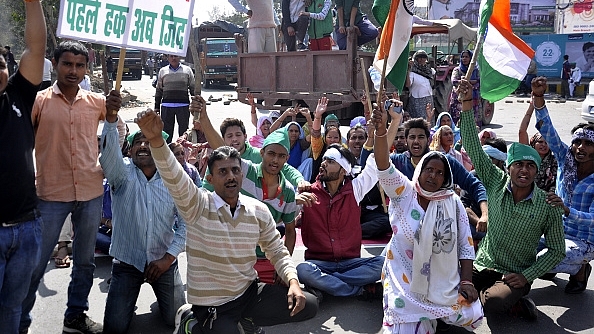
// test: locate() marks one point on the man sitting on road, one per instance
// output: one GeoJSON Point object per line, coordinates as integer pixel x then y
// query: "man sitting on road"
{"type": "Point", "coordinates": [506, 262]}
{"type": "Point", "coordinates": [575, 189]}
{"type": "Point", "coordinates": [223, 228]}
{"type": "Point", "coordinates": [331, 230]}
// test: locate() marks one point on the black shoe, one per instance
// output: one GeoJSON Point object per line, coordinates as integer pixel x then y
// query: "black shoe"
{"type": "Point", "coordinates": [316, 292]}
{"type": "Point", "coordinates": [249, 327]}
{"type": "Point", "coordinates": [82, 324]}
{"type": "Point", "coordinates": [574, 286]}
{"type": "Point", "coordinates": [372, 291]}
{"type": "Point", "coordinates": [524, 308]}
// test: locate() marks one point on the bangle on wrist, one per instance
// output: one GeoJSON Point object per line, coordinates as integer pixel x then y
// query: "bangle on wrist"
{"type": "Point", "coordinates": [381, 136]}
{"type": "Point", "coordinates": [465, 282]}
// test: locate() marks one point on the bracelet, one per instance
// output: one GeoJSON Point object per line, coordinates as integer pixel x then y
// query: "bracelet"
{"type": "Point", "coordinates": [537, 95]}
{"type": "Point", "coordinates": [367, 148]}
{"type": "Point", "coordinates": [32, 0]}
{"type": "Point", "coordinates": [467, 100]}
{"type": "Point", "coordinates": [465, 282]}
{"type": "Point", "coordinates": [381, 136]}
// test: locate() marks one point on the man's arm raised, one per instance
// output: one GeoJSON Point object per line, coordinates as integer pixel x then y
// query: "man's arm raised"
{"type": "Point", "coordinates": [198, 105]}
{"type": "Point", "coordinates": [31, 66]}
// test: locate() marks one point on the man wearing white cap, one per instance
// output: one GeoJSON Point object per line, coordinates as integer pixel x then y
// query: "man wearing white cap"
{"type": "Point", "coordinates": [331, 230]}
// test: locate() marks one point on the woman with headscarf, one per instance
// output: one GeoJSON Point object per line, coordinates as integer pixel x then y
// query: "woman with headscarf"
{"type": "Point", "coordinates": [457, 74]}
{"type": "Point", "coordinates": [446, 119]}
{"type": "Point", "coordinates": [427, 275]}
{"type": "Point", "coordinates": [262, 131]}
{"type": "Point", "coordinates": [546, 177]}
{"type": "Point", "coordinates": [420, 81]}
{"type": "Point", "coordinates": [443, 141]}
{"type": "Point", "coordinates": [299, 152]}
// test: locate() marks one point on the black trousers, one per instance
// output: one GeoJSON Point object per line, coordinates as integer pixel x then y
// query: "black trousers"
{"type": "Point", "coordinates": [265, 304]}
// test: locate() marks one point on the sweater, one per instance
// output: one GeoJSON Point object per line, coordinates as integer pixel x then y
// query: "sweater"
{"type": "Point", "coordinates": [173, 85]}
{"type": "Point", "coordinates": [219, 246]}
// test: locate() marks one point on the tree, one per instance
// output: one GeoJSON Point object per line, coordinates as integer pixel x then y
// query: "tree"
{"type": "Point", "coordinates": [16, 10]}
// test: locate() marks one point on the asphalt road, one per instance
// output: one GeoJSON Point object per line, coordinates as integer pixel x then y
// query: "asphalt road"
{"type": "Point", "coordinates": [558, 312]}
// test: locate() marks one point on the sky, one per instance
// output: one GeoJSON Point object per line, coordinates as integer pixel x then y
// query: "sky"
{"type": "Point", "coordinates": [201, 7]}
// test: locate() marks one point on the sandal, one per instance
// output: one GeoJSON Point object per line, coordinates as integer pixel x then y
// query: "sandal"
{"type": "Point", "coordinates": [63, 262]}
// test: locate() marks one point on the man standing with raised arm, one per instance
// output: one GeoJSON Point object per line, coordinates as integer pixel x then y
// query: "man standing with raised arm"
{"type": "Point", "coordinates": [506, 262]}
{"type": "Point", "coordinates": [69, 178]}
{"type": "Point", "coordinates": [20, 222]}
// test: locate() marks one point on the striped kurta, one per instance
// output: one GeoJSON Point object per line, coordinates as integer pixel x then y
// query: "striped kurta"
{"type": "Point", "coordinates": [220, 247]}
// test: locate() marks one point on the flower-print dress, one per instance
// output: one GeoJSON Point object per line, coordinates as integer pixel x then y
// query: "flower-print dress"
{"type": "Point", "coordinates": [406, 311]}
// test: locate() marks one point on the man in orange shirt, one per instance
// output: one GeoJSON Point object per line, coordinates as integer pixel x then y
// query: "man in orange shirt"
{"type": "Point", "coordinates": [69, 178]}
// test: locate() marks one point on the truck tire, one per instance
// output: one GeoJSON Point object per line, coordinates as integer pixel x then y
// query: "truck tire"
{"type": "Point", "coordinates": [441, 95]}
{"type": "Point", "coordinates": [205, 83]}
{"type": "Point", "coordinates": [487, 111]}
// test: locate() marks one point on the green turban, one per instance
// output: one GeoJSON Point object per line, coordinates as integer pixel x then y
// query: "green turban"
{"type": "Point", "coordinates": [518, 152]}
{"type": "Point", "coordinates": [281, 137]}
{"type": "Point", "coordinates": [131, 136]}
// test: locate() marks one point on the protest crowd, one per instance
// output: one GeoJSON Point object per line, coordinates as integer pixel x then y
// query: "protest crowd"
{"type": "Point", "coordinates": [468, 221]}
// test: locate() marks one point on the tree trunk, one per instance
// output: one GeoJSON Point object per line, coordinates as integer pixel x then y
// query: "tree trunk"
{"type": "Point", "coordinates": [197, 67]}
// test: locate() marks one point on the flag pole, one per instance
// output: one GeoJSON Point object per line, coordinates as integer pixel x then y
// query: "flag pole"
{"type": "Point", "coordinates": [472, 65]}
{"type": "Point", "coordinates": [380, 93]}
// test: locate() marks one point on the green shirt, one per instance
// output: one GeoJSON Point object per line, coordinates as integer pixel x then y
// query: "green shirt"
{"type": "Point", "coordinates": [347, 6]}
{"type": "Point", "coordinates": [253, 154]}
{"type": "Point", "coordinates": [514, 229]}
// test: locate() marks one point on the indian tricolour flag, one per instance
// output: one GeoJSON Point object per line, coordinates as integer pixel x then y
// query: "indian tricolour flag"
{"type": "Point", "coordinates": [396, 20]}
{"type": "Point", "coordinates": [505, 58]}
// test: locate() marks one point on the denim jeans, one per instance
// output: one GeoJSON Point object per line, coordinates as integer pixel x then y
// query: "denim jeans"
{"type": "Point", "coordinates": [577, 253]}
{"type": "Point", "coordinates": [123, 292]}
{"type": "Point", "coordinates": [86, 216]}
{"type": "Point", "coordinates": [20, 247]}
{"type": "Point", "coordinates": [368, 33]}
{"type": "Point", "coordinates": [340, 278]}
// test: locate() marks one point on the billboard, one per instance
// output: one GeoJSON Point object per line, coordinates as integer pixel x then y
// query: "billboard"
{"type": "Point", "coordinates": [525, 15]}
{"type": "Point", "coordinates": [576, 17]}
{"type": "Point", "coordinates": [551, 48]}
{"type": "Point", "coordinates": [146, 25]}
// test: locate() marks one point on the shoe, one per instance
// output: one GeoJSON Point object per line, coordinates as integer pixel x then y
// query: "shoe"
{"type": "Point", "coordinates": [184, 320]}
{"type": "Point", "coordinates": [548, 276]}
{"type": "Point", "coordinates": [524, 308]}
{"type": "Point", "coordinates": [574, 286]}
{"type": "Point", "coordinates": [372, 291]}
{"type": "Point", "coordinates": [82, 324]}
{"type": "Point", "coordinates": [24, 331]}
{"type": "Point", "coordinates": [301, 47]}
{"type": "Point", "coordinates": [249, 327]}
{"type": "Point", "coordinates": [316, 292]}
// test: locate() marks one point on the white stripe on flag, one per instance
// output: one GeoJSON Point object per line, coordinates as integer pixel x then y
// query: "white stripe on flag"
{"type": "Point", "coordinates": [503, 56]}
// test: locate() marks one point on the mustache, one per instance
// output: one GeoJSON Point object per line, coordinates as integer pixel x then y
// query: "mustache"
{"type": "Point", "coordinates": [231, 183]}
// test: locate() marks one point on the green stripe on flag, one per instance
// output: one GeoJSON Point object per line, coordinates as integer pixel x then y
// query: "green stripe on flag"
{"type": "Point", "coordinates": [498, 86]}
{"type": "Point", "coordinates": [397, 75]}
{"type": "Point", "coordinates": [380, 10]}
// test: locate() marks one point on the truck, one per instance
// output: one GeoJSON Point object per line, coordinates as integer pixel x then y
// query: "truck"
{"type": "Point", "coordinates": [217, 52]}
{"type": "Point", "coordinates": [279, 80]}
{"type": "Point", "coordinates": [133, 63]}
{"type": "Point", "coordinates": [218, 61]}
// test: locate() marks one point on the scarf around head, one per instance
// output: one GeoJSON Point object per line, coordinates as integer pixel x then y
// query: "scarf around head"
{"type": "Point", "coordinates": [435, 246]}
{"type": "Point", "coordinates": [422, 70]}
{"type": "Point", "coordinates": [258, 139]}
{"type": "Point", "coordinates": [570, 171]}
{"type": "Point", "coordinates": [464, 68]}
